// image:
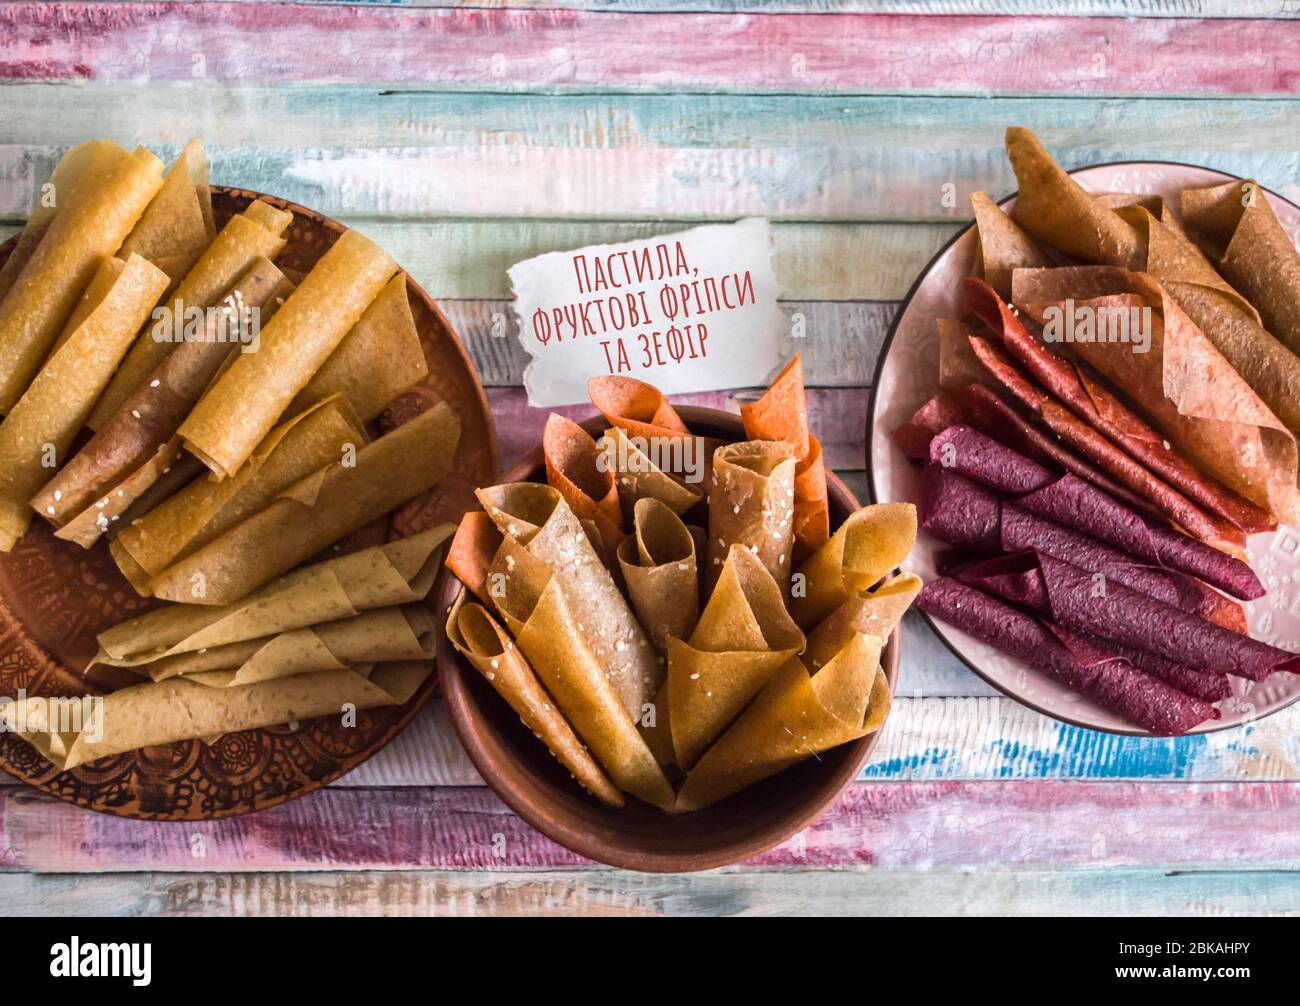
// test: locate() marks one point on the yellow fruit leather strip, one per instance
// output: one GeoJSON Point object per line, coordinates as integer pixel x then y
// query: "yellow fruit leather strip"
{"type": "Point", "coordinates": [399, 572]}
{"type": "Point", "coordinates": [378, 360]}
{"type": "Point", "coordinates": [536, 517]}
{"type": "Point", "coordinates": [1003, 246]}
{"type": "Point", "coordinates": [246, 401]}
{"type": "Point", "coordinates": [875, 612]}
{"type": "Point", "coordinates": [206, 508]}
{"type": "Point", "coordinates": [317, 512]}
{"type": "Point", "coordinates": [163, 712]}
{"type": "Point", "coordinates": [552, 631]}
{"type": "Point", "coordinates": [751, 503]}
{"type": "Point", "coordinates": [866, 548]}
{"type": "Point", "coordinates": [661, 569]}
{"type": "Point", "coordinates": [481, 640]}
{"type": "Point", "coordinates": [797, 715]}
{"type": "Point", "coordinates": [253, 234]}
{"type": "Point", "coordinates": [178, 225]}
{"type": "Point", "coordinates": [637, 476]}
{"type": "Point", "coordinates": [100, 212]}
{"type": "Point", "coordinates": [36, 433]}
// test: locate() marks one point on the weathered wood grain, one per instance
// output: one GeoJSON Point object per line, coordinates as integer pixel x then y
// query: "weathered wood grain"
{"type": "Point", "coordinates": [357, 150]}
{"type": "Point", "coordinates": [968, 892]}
{"type": "Point", "coordinates": [874, 826]}
{"type": "Point", "coordinates": [558, 49]}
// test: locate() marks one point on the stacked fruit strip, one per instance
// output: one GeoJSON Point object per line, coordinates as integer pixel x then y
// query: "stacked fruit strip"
{"type": "Point", "coordinates": [644, 613]}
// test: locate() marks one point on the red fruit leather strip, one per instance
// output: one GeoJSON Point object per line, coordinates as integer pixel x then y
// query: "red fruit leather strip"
{"type": "Point", "coordinates": [1092, 402]}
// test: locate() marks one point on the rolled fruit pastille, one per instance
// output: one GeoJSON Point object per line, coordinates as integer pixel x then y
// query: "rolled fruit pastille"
{"type": "Point", "coordinates": [743, 637]}
{"type": "Point", "coordinates": [751, 503]}
{"type": "Point", "coordinates": [163, 712]}
{"type": "Point", "coordinates": [378, 360]}
{"type": "Point", "coordinates": [537, 519]}
{"type": "Point", "coordinates": [399, 572]}
{"type": "Point", "coordinates": [139, 434]}
{"type": "Point", "coordinates": [1003, 246]}
{"type": "Point", "coordinates": [638, 477]}
{"type": "Point", "coordinates": [875, 612]}
{"type": "Point", "coordinates": [381, 635]}
{"type": "Point", "coordinates": [863, 551]}
{"type": "Point", "coordinates": [482, 641]}
{"type": "Point", "coordinates": [177, 225]}
{"type": "Point", "coordinates": [575, 466]}
{"type": "Point", "coordinates": [549, 624]}
{"type": "Point", "coordinates": [101, 209]}
{"type": "Point", "coordinates": [206, 508]}
{"type": "Point", "coordinates": [254, 233]}
{"type": "Point", "coordinates": [53, 195]}
{"type": "Point", "coordinates": [246, 401]}
{"type": "Point", "coordinates": [797, 715]}
{"type": "Point", "coordinates": [39, 429]}
{"type": "Point", "coordinates": [646, 416]}
{"type": "Point", "coordinates": [317, 511]}
{"type": "Point", "coordinates": [661, 569]}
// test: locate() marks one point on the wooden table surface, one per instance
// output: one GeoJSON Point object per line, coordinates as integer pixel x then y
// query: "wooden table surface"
{"type": "Point", "coordinates": [464, 140]}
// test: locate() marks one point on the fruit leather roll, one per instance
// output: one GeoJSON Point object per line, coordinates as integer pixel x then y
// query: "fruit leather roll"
{"type": "Point", "coordinates": [399, 572]}
{"type": "Point", "coordinates": [378, 360]}
{"type": "Point", "coordinates": [100, 211]}
{"type": "Point", "coordinates": [1101, 676]}
{"type": "Point", "coordinates": [551, 625]}
{"type": "Point", "coordinates": [660, 566]}
{"type": "Point", "coordinates": [875, 612]}
{"type": "Point", "coordinates": [254, 233]}
{"type": "Point", "coordinates": [1074, 503]}
{"type": "Point", "coordinates": [1003, 246]}
{"type": "Point", "coordinates": [782, 414]}
{"type": "Point", "coordinates": [1189, 354]}
{"type": "Point", "coordinates": [536, 518]}
{"type": "Point", "coordinates": [1083, 438]}
{"type": "Point", "coordinates": [163, 712]}
{"type": "Point", "coordinates": [646, 416]}
{"type": "Point", "coordinates": [246, 401]}
{"type": "Point", "coordinates": [1236, 225]}
{"type": "Point", "coordinates": [797, 715]}
{"type": "Point", "coordinates": [39, 429]}
{"type": "Point", "coordinates": [177, 225]}
{"type": "Point", "coordinates": [742, 638]}
{"type": "Point", "coordinates": [863, 551]}
{"type": "Point", "coordinates": [481, 640]}
{"type": "Point", "coordinates": [136, 444]}
{"type": "Point", "coordinates": [576, 466]}
{"type": "Point", "coordinates": [472, 550]}
{"type": "Point", "coordinates": [206, 508]}
{"type": "Point", "coordinates": [638, 477]}
{"type": "Point", "coordinates": [317, 511]}
{"type": "Point", "coordinates": [1074, 599]}
{"type": "Point", "coordinates": [1204, 685]}
{"type": "Point", "coordinates": [377, 636]}
{"type": "Point", "coordinates": [751, 503]}
{"type": "Point", "coordinates": [1186, 385]}
{"type": "Point", "coordinates": [51, 197]}
{"type": "Point", "coordinates": [959, 512]}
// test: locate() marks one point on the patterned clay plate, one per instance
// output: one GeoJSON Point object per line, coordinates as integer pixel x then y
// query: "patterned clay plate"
{"type": "Point", "coordinates": [907, 376]}
{"type": "Point", "coordinates": [55, 597]}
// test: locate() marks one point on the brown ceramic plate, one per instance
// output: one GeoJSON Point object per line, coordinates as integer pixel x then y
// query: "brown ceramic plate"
{"type": "Point", "coordinates": [55, 597]}
{"type": "Point", "coordinates": [640, 837]}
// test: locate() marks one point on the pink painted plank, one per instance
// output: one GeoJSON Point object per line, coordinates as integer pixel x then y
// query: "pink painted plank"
{"type": "Point", "coordinates": [515, 49]}
{"type": "Point", "coordinates": [1028, 824]}
{"type": "Point", "coordinates": [7, 859]}
{"type": "Point", "coordinates": [838, 417]}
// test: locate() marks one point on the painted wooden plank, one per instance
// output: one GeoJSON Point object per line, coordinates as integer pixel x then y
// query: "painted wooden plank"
{"type": "Point", "coordinates": [468, 259]}
{"type": "Point", "coordinates": [837, 415]}
{"type": "Point", "coordinates": [556, 49]}
{"type": "Point", "coordinates": [367, 151]}
{"type": "Point", "coordinates": [985, 825]}
{"type": "Point", "coordinates": [1032, 893]}
{"type": "Point", "coordinates": [839, 340]}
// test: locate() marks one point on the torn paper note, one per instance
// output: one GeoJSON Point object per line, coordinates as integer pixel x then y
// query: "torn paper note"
{"type": "Point", "coordinates": [691, 311]}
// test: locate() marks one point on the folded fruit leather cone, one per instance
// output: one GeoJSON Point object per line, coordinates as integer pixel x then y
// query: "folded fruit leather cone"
{"type": "Point", "coordinates": [549, 623]}
{"type": "Point", "coordinates": [743, 637]}
{"type": "Point", "coordinates": [959, 512]}
{"type": "Point", "coordinates": [1079, 602]}
{"type": "Point", "coordinates": [1107, 415]}
{"type": "Point", "coordinates": [1183, 383]}
{"type": "Point", "coordinates": [1074, 503]}
{"type": "Point", "coordinates": [484, 642]}
{"type": "Point", "coordinates": [1104, 677]}
{"type": "Point", "coordinates": [660, 566]}
{"type": "Point", "coordinates": [574, 466]}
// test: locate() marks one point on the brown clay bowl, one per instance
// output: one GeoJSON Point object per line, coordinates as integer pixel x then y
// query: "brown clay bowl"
{"type": "Point", "coordinates": [55, 597]}
{"type": "Point", "coordinates": [639, 837]}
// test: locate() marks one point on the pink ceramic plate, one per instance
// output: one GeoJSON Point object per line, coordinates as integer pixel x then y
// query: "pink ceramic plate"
{"type": "Point", "coordinates": [907, 375]}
